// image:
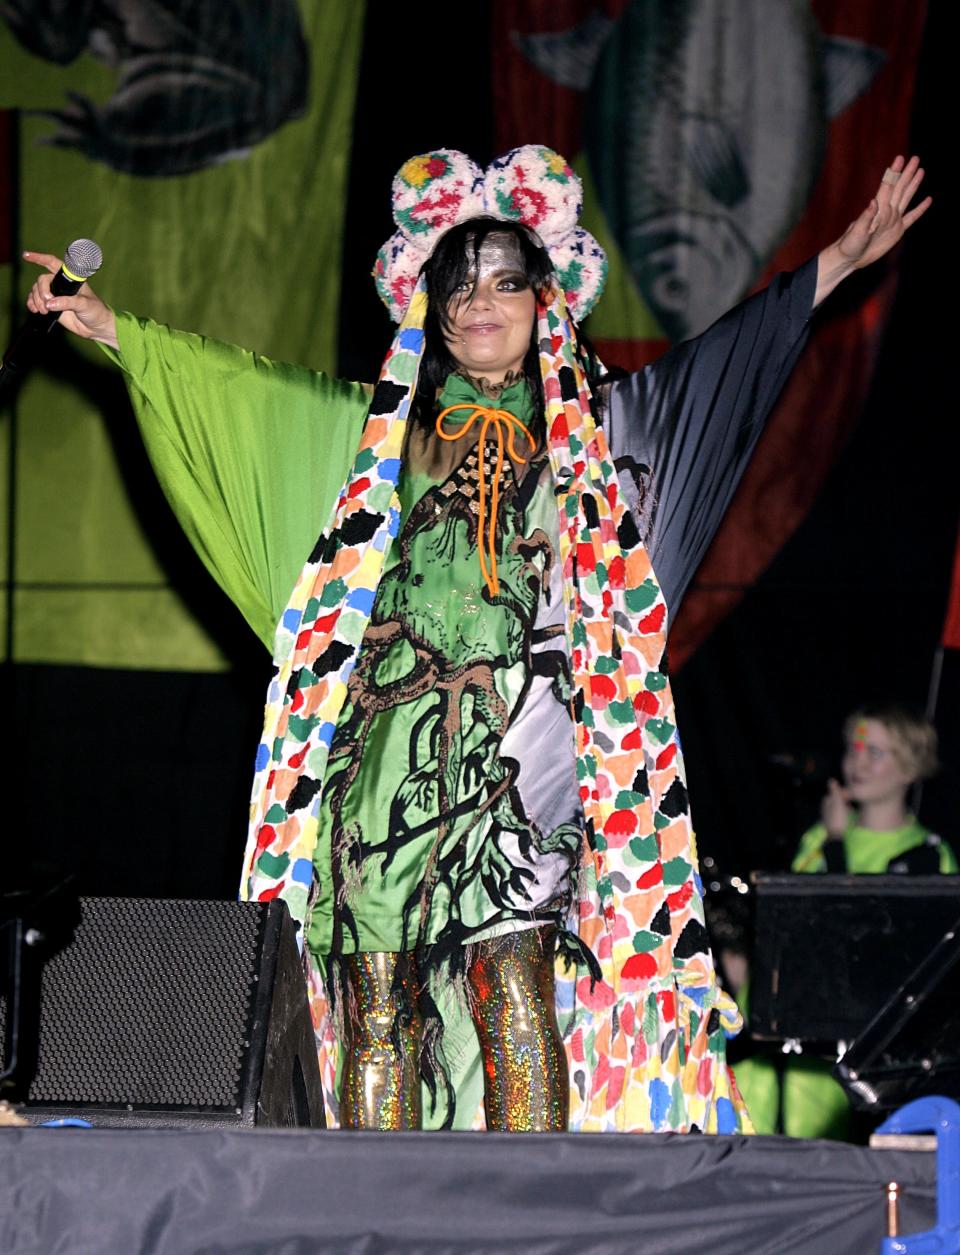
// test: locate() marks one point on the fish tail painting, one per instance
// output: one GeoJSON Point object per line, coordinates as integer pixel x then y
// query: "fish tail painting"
{"type": "Point", "coordinates": [704, 128]}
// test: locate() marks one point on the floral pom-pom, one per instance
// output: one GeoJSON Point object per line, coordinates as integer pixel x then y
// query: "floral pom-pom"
{"type": "Point", "coordinates": [581, 266]}
{"type": "Point", "coordinates": [534, 185]}
{"type": "Point", "coordinates": [395, 273]}
{"type": "Point", "coordinates": [433, 192]}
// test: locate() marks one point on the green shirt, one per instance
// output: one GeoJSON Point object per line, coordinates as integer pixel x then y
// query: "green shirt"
{"type": "Point", "coordinates": [868, 851]}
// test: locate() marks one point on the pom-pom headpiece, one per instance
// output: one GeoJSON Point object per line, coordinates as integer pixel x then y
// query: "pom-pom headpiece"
{"type": "Point", "coordinates": [531, 185]}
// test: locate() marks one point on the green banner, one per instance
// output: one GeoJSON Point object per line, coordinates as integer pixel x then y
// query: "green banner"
{"type": "Point", "coordinates": [245, 248]}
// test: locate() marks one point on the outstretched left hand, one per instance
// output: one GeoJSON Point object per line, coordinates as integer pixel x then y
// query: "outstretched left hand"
{"type": "Point", "coordinates": [881, 225]}
{"type": "Point", "coordinates": [887, 217]}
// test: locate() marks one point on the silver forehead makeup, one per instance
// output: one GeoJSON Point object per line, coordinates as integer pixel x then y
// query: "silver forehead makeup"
{"type": "Point", "coordinates": [498, 252]}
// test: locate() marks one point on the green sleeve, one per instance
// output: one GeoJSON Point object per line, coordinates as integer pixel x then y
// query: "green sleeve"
{"type": "Point", "coordinates": [250, 453]}
{"type": "Point", "coordinates": [809, 855]}
{"type": "Point", "coordinates": [948, 860]}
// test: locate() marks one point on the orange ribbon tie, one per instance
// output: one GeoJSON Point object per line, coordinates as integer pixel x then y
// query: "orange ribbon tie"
{"type": "Point", "coordinates": [498, 419]}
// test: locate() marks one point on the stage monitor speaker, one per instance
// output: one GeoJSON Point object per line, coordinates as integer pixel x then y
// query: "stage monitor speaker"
{"type": "Point", "coordinates": [161, 1013]}
{"type": "Point", "coordinates": [911, 1048]}
{"type": "Point", "coordinates": [829, 950]}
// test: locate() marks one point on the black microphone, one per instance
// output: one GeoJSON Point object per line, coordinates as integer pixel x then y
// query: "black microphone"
{"type": "Point", "coordinates": [81, 261]}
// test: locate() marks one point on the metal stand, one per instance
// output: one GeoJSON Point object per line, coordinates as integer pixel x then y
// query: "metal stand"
{"type": "Point", "coordinates": [34, 923]}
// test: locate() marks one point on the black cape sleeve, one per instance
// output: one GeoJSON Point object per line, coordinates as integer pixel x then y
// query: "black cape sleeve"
{"type": "Point", "coordinates": [682, 430]}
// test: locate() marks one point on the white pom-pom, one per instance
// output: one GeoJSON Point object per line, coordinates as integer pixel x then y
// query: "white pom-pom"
{"type": "Point", "coordinates": [534, 185]}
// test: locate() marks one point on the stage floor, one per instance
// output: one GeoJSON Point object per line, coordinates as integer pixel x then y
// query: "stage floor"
{"type": "Point", "coordinates": [271, 1192]}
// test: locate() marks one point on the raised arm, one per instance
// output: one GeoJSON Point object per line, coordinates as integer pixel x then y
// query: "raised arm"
{"type": "Point", "coordinates": [881, 225]}
{"type": "Point", "coordinates": [250, 453]}
{"type": "Point", "coordinates": [682, 430]}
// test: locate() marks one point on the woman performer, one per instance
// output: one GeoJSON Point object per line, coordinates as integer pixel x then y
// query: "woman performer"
{"type": "Point", "coordinates": [469, 767]}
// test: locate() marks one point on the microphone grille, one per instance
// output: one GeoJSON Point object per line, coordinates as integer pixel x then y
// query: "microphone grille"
{"type": "Point", "coordinates": [83, 258]}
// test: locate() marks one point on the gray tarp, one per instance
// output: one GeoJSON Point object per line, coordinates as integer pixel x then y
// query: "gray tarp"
{"type": "Point", "coordinates": [166, 1192]}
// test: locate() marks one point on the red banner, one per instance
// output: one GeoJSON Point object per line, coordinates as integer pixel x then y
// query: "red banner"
{"type": "Point", "coordinates": [951, 626]}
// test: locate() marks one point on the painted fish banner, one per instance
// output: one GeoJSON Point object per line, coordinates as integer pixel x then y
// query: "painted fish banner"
{"type": "Point", "coordinates": [721, 141]}
{"type": "Point", "coordinates": [203, 146]}
{"type": "Point", "coordinates": [196, 81]}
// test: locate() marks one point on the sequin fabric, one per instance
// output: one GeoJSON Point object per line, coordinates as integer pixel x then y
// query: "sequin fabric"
{"type": "Point", "coordinates": [524, 1064]}
{"type": "Point", "coordinates": [380, 1088]}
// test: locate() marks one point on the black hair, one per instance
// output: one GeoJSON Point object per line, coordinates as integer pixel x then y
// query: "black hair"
{"type": "Point", "coordinates": [456, 253]}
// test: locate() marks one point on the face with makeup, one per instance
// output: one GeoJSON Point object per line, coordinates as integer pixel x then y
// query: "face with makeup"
{"type": "Point", "coordinates": [491, 315]}
{"type": "Point", "coordinates": [874, 764]}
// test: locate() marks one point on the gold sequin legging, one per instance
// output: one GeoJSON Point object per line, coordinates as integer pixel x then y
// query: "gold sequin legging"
{"type": "Point", "coordinates": [512, 1003]}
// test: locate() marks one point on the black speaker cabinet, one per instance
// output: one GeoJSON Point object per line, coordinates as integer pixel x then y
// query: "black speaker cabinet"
{"type": "Point", "coordinates": [166, 1013]}
{"type": "Point", "coordinates": [830, 950]}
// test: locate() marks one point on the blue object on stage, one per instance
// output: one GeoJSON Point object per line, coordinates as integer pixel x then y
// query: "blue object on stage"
{"type": "Point", "coordinates": [941, 1116]}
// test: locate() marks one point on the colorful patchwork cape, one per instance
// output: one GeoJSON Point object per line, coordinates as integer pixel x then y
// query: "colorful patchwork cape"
{"type": "Point", "coordinates": [645, 1040]}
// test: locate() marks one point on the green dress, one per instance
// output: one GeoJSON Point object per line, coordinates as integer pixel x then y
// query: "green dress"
{"type": "Point", "coordinates": [441, 819]}
{"type": "Point", "coordinates": [251, 455]}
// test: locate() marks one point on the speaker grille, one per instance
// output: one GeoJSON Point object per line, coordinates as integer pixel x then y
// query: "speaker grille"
{"type": "Point", "coordinates": [178, 978]}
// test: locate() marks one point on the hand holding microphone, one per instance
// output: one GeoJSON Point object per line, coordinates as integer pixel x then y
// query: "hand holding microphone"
{"type": "Point", "coordinates": [64, 295]}
{"type": "Point", "coordinates": [61, 295]}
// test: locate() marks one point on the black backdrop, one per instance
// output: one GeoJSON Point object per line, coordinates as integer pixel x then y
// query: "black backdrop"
{"type": "Point", "coordinates": [112, 773]}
